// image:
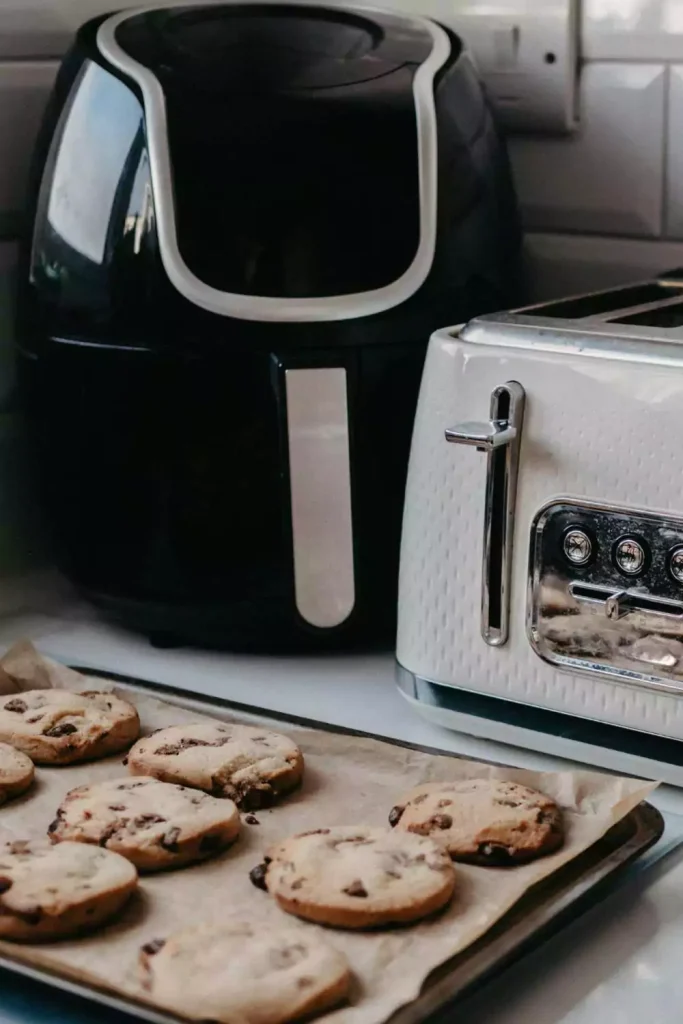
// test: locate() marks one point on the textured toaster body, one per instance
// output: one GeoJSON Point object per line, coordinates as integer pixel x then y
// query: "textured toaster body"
{"type": "Point", "coordinates": [601, 424]}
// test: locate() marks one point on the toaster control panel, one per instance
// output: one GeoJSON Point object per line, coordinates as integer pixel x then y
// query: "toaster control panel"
{"type": "Point", "coordinates": [606, 592]}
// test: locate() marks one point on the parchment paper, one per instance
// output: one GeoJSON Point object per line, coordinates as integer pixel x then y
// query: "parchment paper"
{"type": "Point", "coordinates": [348, 780]}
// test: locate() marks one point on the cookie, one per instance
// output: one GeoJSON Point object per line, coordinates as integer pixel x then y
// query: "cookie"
{"type": "Point", "coordinates": [16, 772]}
{"type": "Point", "coordinates": [483, 821]}
{"type": "Point", "coordinates": [249, 765]}
{"type": "Point", "coordinates": [357, 877]}
{"type": "Point", "coordinates": [50, 892]}
{"type": "Point", "coordinates": [61, 727]}
{"type": "Point", "coordinates": [236, 971]}
{"type": "Point", "coordinates": [155, 825]}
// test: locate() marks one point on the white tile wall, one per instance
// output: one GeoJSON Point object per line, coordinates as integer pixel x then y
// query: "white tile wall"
{"type": "Point", "coordinates": [674, 177]}
{"type": "Point", "coordinates": [608, 177]}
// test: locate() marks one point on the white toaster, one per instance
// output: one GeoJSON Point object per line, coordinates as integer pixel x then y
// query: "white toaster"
{"type": "Point", "coordinates": [541, 579]}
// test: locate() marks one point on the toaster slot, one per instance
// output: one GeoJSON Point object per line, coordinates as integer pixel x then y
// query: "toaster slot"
{"type": "Point", "coordinates": [599, 304]}
{"type": "Point", "coordinates": [662, 316]}
{"type": "Point", "coordinates": [500, 439]}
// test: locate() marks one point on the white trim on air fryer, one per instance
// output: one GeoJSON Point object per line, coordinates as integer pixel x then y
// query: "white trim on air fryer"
{"type": "Point", "coordinates": [320, 494]}
{"type": "Point", "coordinates": [264, 308]}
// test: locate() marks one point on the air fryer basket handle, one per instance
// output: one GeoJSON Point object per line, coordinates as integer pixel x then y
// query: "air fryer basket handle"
{"type": "Point", "coordinates": [317, 447]}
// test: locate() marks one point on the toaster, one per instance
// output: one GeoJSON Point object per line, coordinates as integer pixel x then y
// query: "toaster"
{"type": "Point", "coordinates": [541, 575]}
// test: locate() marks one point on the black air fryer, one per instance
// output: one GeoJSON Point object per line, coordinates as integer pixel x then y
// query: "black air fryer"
{"type": "Point", "coordinates": [247, 220]}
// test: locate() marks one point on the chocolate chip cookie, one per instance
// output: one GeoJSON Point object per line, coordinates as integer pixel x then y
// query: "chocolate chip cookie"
{"type": "Point", "coordinates": [50, 892]}
{"type": "Point", "coordinates": [235, 971]}
{"type": "Point", "coordinates": [482, 821]}
{"type": "Point", "coordinates": [16, 772]}
{"type": "Point", "coordinates": [155, 825]}
{"type": "Point", "coordinates": [61, 727]}
{"type": "Point", "coordinates": [357, 877]}
{"type": "Point", "coordinates": [251, 766]}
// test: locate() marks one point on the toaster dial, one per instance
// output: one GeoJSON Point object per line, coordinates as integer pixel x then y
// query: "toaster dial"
{"type": "Point", "coordinates": [578, 547]}
{"type": "Point", "coordinates": [630, 556]}
{"type": "Point", "coordinates": [605, 592]}
{"type": "Point", "coordinates": [676, 564]}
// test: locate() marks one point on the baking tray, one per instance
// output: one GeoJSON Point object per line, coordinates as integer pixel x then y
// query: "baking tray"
{"type": "Point", "coordinates": [543, 910]}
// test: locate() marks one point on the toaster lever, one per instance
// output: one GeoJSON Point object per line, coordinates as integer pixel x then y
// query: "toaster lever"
{"type": "Point", "coordinates": [483, 436]}
{"type": "Point", "coordinates": [499, 437]}
{"type": "Point", "coordinates": [618, 603]}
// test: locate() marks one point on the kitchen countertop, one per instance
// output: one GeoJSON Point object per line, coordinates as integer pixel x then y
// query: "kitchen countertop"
{"type": "Point", "coordinates": [620, 960]}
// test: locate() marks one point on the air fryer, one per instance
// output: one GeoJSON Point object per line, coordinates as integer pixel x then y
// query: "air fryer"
{"type": "Point", "coordinates": [246, 221]}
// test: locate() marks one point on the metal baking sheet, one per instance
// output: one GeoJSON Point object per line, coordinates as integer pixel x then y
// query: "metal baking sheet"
{"type": "Point", "coordinates": [543, 910]}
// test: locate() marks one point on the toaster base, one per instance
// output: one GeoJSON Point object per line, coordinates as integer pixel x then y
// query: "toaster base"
{"type": "Point", "coordinates": [587, 741]}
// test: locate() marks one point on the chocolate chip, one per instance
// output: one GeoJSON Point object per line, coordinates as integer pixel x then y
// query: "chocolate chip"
{"type": "Point", "coordinates": [297, 883]}
{"type": "Point", "coordinates": [442, 821]}
{"type": "Point", "coordinates": [170, 749]}
{"type": "Point", "coordinates": [53, 826]}
{"type": "Point", "coordinates": [507, 803]}
{"type": "Point", "coordinates": [109, 831]}
{"type": "Point", "coordinates": [444, 803]}
{"type": "Point", "coordinates": [170, 840]}
{"type": "Point", "coordinates": [35, 718]}
{"type": "Point", "coordinates": [5, 884]}
{"type": "Point", "coordinates": [61, 729]}
{"type": "Point", "coordinates": [546, 817]}
{"type": "Point", "coordinates": [87, 815]}
{"type": "Point", "coordinates": [425, 828]}
{"type": "Point", "coordinates": [252, 820]}
{"type": "Point", "coordinates": [124, 763]}
{"type": "Point", "coordinates": [314, 832]}
{"type": "Point", "coordinates": [496, 854]}
{"type": "Point", "coordinates": [420, 798]}
{"type": "Point", "coordinates": [257, 876]}
{"type": "Point", "coordinates": [287, 956]}
{"type": "Point", "coordinates": [356, 889]}
{"type": "Point", "coordinates": [16, 705]}
{"type": "Point", "coordinates": [395, 815]}
{"type": "Point", "coordinates": [150, 948]}
{"type": "Point", "coordinates": [210, 844]}
{"type": "Point", "coordinates": [148, 819]}
{"type": "Point", "coordinates": [117, 807]}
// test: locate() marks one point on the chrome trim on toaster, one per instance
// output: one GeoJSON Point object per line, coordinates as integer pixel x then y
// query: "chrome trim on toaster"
{"type": "Point", "coordinates": [265, 308]}
{"type": "Point", "coordinates": [320, 494]}
{"type": "Point", "coordinates": [500, 438]}
{"type": "Point", "coordinates": [610, 658]}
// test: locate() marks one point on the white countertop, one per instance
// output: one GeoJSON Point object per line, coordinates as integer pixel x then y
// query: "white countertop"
{"type": "Point", "coordinates": [621, 960]}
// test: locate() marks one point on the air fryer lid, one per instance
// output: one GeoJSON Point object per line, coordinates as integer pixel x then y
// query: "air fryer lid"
{"type": "Point", "coordinates": [294, 156]}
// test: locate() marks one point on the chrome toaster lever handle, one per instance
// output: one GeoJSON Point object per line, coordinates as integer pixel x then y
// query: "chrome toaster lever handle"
{"type": "Point", "coordinates": [617, 603]}
{"type": "Point", "coordinates": [500, 438]}
{"type": "Point", "coordinates": [483, 436]}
